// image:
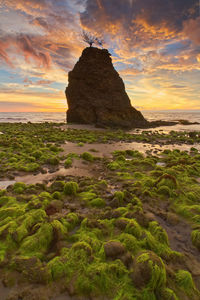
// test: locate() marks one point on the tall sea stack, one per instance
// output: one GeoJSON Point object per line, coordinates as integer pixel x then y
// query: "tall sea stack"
{"type": "Point", "coordinates": [96, 93]}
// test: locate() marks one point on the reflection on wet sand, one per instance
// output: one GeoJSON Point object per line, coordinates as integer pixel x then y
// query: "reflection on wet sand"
{"type": "Point", "coordinates": [79, 168]}
{"type": "Point", "coordinates": [5, 183]}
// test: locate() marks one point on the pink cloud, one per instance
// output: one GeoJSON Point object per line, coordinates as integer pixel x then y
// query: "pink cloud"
{"type": "Point", "coordinates": [3, 55]}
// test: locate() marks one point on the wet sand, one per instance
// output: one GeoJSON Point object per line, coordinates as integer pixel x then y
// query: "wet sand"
{"type": "Point", "coordinates": [79, 168]}
{"type": "Point", "coordinates": [4, 291]}
{"type": "Point", "coordinates": [83, 168]}
{"type": "Point", "coordinates": [105, 150]}
{"type": "Point", "coordinates": [161, 129]}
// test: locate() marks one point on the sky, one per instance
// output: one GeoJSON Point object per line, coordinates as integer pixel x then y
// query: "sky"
{"type": "Point", "coordinates": [155, 47]}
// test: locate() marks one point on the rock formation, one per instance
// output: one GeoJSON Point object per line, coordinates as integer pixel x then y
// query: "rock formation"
{"type": "Point", "coordinates": [96, 93]}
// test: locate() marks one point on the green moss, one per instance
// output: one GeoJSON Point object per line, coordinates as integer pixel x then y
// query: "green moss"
{"type": "Point", "coordinates": [121, 211]}
{"type": "Point", "coordinates": [38, 243]}
{"type": "Point", "coordinates": [121, 158]}
{"type": "Point", "coordinates": [21, 232]}
{"type": "Point", "coordinates": [150, 242]}
{"type": "Point", "coordinates": [72, 220]}
{"type": "Point", "coordinates": [53, 161]}
{"type": "Point", "coordinates": [57, 268]}
{"type": "Point", "coordinates": [138, 175]}
{"type": "Point", "coordinates": [6, 200]}
{"type": "Point", "coordinates": [33, 217]}
{"type": "Point", "coordinates": [167, 180]}
{"type": "Point", "coordinates": [113, 166]}
{"type": "Point", "coordinates": [158, 232]}
{"type": "Point", "coordinates": [82, 245]}
{"type": "Point", "coordinates": [134, 228]}
{"type": "Point", "coordinates": [2, 193]}
{"type": "Point", "coordinates": [164, 190]}
{"type": "Point", "coordinates": [60, 229]}
{"type": "Point", "coordinates": [87, 156]}
{"type": "Point", "coordinates": [168, 294]}
{"type": "Point", "coordinates": [148, 182]}
{"type": "Point", "coordinates": [87, 196]}
{"type": "Point", "coordinates": [68, 162]}
{"type": "Point", "coordinates": [57, 186]}
{"type": "Point", "coordinates": [37, 154]}
{"type": "Point", "coordinates": [71, 188]}
{"type": "Point", "coordinates": [45, 195]}
{"type": "Point", "coordinates": [93, 150]}
{"type": "Point", "coordinates": [56, 195]}
{"type": "Point", "coordinates": [80, 144]}
{"type": "Point", "coordinates": [184, 280]}
{"type": "Point", "coordinates": [13, 211]}
{"type": "Point", "coordinates": [32, 269]}
{"type": "Point", "coordinates": [130, 242]}
{"type": "Point", "coordinates": [99, 277]}
{"type": "Point", "coordinates": [149, 272]}
{"type": "Point", "coordinates": [98, 202]}
{"type": "Point", "coordinates": [54, 148]}
{"type": "Point", "coordinates": [19, 187]}
{"type": "Point", "coordinates": [119, 196]}
{"type": "Point", "coordinates": [196, 238]}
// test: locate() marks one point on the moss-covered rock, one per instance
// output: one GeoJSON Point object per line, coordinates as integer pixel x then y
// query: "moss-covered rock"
{"type": "Point", "coordinates": [38, 243]}
{"type": "Point", "coordinates": [114, 249]}
{"type": "Point", "coordinates": [149, 272]}
{"type": "Point", "coordinates": [71, 188]}
{"type": "Point", "coordinates": [196, 238]}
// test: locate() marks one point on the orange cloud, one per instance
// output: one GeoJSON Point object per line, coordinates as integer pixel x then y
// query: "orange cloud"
{"type": "Point", "coordinates": [24, 44]}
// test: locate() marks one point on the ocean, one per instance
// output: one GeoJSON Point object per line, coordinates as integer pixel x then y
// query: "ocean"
{"type": "Point", "coordinates": [60, 117]}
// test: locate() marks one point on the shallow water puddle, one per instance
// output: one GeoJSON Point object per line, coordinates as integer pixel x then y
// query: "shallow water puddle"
{"type": "Point", "coordinates": [79, 169]}
{"type": "Point", "coordinates": [5, 183]}
{"type": "Point", "coordinates": [161, 164]}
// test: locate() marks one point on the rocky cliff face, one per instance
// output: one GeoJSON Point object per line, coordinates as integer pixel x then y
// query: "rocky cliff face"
{"type": "Point", "coordinates": [96, 93]}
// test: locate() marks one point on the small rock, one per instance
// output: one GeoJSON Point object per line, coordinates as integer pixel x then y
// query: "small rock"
{"type": "Point", "coordinates": [114, 249]}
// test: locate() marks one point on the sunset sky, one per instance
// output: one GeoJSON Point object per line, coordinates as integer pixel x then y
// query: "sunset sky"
{"type": "Point", "coordinates": [155, 46]}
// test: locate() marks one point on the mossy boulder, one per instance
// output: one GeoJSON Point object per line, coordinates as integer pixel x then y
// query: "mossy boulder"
{"type": "Point", "coordinates": [57, 186]}
{"type": "Point", "coordinates": [196, 238]}
{"type": "Point", "coordinates": [71, 188]}
{"type": "Point", "coordinates": [87, 156]}
{"type": "Point", "coordinates": [185, 282]}
{"type": "Point", "coordinates": [168, 294]}
{"type": "Point", "coordinates": [164, 190]}
{"type": "Point", "coordinates": [98, 202]}
{"type": "Point", "coordinates": [38, 243]}
{"type": "Point", "coordinates": [158, 232]}
{"type": "Point", "coordinates": [84, 246]}
{"type": "Point", "coordinates": [32, 269]}
{"type": "Point", "coordinates": [167, 180]}
{"type": "Point", "coordinates": [57, 268]}
{"type": "Point", "coordinates": [114, 249]}
{"type": "Point", "coordinates": [148, 271]}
